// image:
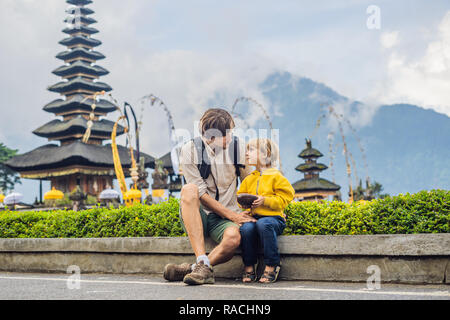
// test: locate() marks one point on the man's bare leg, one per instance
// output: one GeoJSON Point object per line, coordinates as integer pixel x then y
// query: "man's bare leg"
{"type": "Point", "coordinates": [190, 210]}
{"type": "Point", "coordinates": [203, 274]}
{"type": "Point", "coordinates": [225, 250]}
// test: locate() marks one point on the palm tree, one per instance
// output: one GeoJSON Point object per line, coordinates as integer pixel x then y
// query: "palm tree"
{"type": "Point", "coordinates": [372, 191]}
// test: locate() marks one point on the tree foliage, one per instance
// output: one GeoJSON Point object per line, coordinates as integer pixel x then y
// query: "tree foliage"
{"type": "Point", "coordinates": [8, 177]}
{"type": "Point", "coordinates": [370, 192]}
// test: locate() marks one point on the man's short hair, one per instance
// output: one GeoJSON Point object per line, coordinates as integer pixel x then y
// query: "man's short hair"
{"type": "Point", "coordinates": [215, 122]}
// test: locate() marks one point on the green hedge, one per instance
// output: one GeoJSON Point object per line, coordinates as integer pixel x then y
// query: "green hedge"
{"type": "Point", "coordinates": [423, 212]}
{"type": "Point", "coordinates": [137, 221]}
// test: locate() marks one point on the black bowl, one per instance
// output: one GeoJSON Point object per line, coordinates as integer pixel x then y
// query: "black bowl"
{"type": "Point", "coordinates": [246, 200]}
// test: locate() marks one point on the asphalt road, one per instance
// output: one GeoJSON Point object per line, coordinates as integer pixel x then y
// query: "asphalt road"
{"type": "Point", "coordinates": [31, 286]}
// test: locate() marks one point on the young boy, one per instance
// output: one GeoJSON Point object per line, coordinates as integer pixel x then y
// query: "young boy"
{"type": "Point", "coordinates": [274, 193]}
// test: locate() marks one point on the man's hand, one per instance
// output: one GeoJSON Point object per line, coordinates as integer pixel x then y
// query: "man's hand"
{"type": "Point", "coordinates": [217, 207]}
{"type": "Point", "coordinates": [258, 202]}
{"type": "Point", "coordinates": [241, 218]}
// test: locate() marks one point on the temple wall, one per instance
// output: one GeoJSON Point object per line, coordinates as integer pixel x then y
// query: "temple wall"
{"type": "Point", "coordinates": [91, 185]}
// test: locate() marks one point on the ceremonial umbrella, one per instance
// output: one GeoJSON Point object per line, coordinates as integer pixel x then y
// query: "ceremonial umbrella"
{"type": "Point", "coordinates": [13, 198]}
{"type": "Point", "coordinates": [109, 194]}
{"type": "Point", "coordinates": [132, 196]}
{"type": "Point", "coordinates": [53, 195]}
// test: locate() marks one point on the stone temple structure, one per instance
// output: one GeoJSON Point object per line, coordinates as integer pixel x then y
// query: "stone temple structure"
{"type": "Point", "coordinates": [72, 161]}
{"type": "Point", "coordinates": [312, 187]}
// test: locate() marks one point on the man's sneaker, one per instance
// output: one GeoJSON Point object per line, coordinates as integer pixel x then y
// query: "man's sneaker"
{"type": "Point", "coordinates": [202, 274]}
{"type": "Point", "coordinates": [176, 272]}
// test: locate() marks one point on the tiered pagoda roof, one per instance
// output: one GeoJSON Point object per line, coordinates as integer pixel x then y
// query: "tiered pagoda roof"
{"type": "Point", "coordinates": [80, 81]}
{"type": "Point", "coordinates": [81, 30]}
{"type": "Point", "coordinates": [76, 157]}
{"type": "Point", "coordinates": [310, 152]}
{"type": "Point", "coordinates": [79, 68]}
{"type": "Point", "coordinates": [83, 10]}
{"type": "Point", "coordinates": [79, 85]}
{"type": "Point", "coordinates": [312, 184]}
{"type": "Point", "coordinates": [78, 104]}
{"type": "Point", "coordinates": [81, 18]}
{"type": "Point", "coordinates": [315, 184]}
{"type": "Point", "coordinates": [80, 41]}
{"type": "Point", "coordinates": [305, 167]}
{"type": "Point", "coordinates": [79, 3]}
{"type": "Point", "coordinates": [76, 127]}
{"type": "Point", "coordinates": [80, 54]}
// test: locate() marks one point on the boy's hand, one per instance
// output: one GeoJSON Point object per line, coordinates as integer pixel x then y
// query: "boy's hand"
{"type": "Point", "coordinates": [258, 202]}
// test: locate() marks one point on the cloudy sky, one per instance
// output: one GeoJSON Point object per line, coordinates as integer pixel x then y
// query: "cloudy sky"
{"type": "Point", "coordinates": [189, 52]}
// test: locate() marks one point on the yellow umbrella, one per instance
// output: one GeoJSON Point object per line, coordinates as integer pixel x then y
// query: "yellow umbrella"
{"type": "Point", "coordinates": [2, 197]}
{"type": "Point", "coordinates": [53, 195]}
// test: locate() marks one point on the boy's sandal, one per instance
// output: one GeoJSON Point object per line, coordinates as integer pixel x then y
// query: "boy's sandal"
{"type": "Point", "coordinates": [270, 276]}
{"type": "Point", "coordinates": [249, 275]}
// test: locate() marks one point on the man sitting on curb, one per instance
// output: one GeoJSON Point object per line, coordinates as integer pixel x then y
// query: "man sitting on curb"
{"type": "Point", "coordinates": [208, 200]}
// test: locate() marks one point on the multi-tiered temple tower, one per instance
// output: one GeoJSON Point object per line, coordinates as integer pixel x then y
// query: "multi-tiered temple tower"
{"type": "Point", "coordinates": [88, 164]}
{"type": "Point", "coordinates": [312, 187]}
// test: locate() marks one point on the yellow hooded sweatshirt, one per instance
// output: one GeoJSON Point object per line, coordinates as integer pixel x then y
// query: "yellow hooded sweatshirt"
{"type": "Point", "coordinates": [273, 186]}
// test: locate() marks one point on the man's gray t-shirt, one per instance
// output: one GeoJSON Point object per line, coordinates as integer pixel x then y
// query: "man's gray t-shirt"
{"type": "Point", "coordinates": [223, 172]}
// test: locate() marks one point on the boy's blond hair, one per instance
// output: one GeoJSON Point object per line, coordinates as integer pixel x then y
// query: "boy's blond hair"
{"type": "Point", "coordinates": [268, 148]}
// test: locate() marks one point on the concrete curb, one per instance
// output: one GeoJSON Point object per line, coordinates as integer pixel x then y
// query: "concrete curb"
{"type": "Point", "coordinates": [418, 258]}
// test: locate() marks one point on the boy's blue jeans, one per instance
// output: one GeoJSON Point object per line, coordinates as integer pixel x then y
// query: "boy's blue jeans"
{"type": "Point", "coordinates": [261, 234]}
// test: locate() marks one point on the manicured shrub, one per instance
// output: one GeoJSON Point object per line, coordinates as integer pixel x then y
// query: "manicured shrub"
{"type": "Point", "coordinates": [423, 212]}
{"type": "Point", "coordinates": [137, 221]}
